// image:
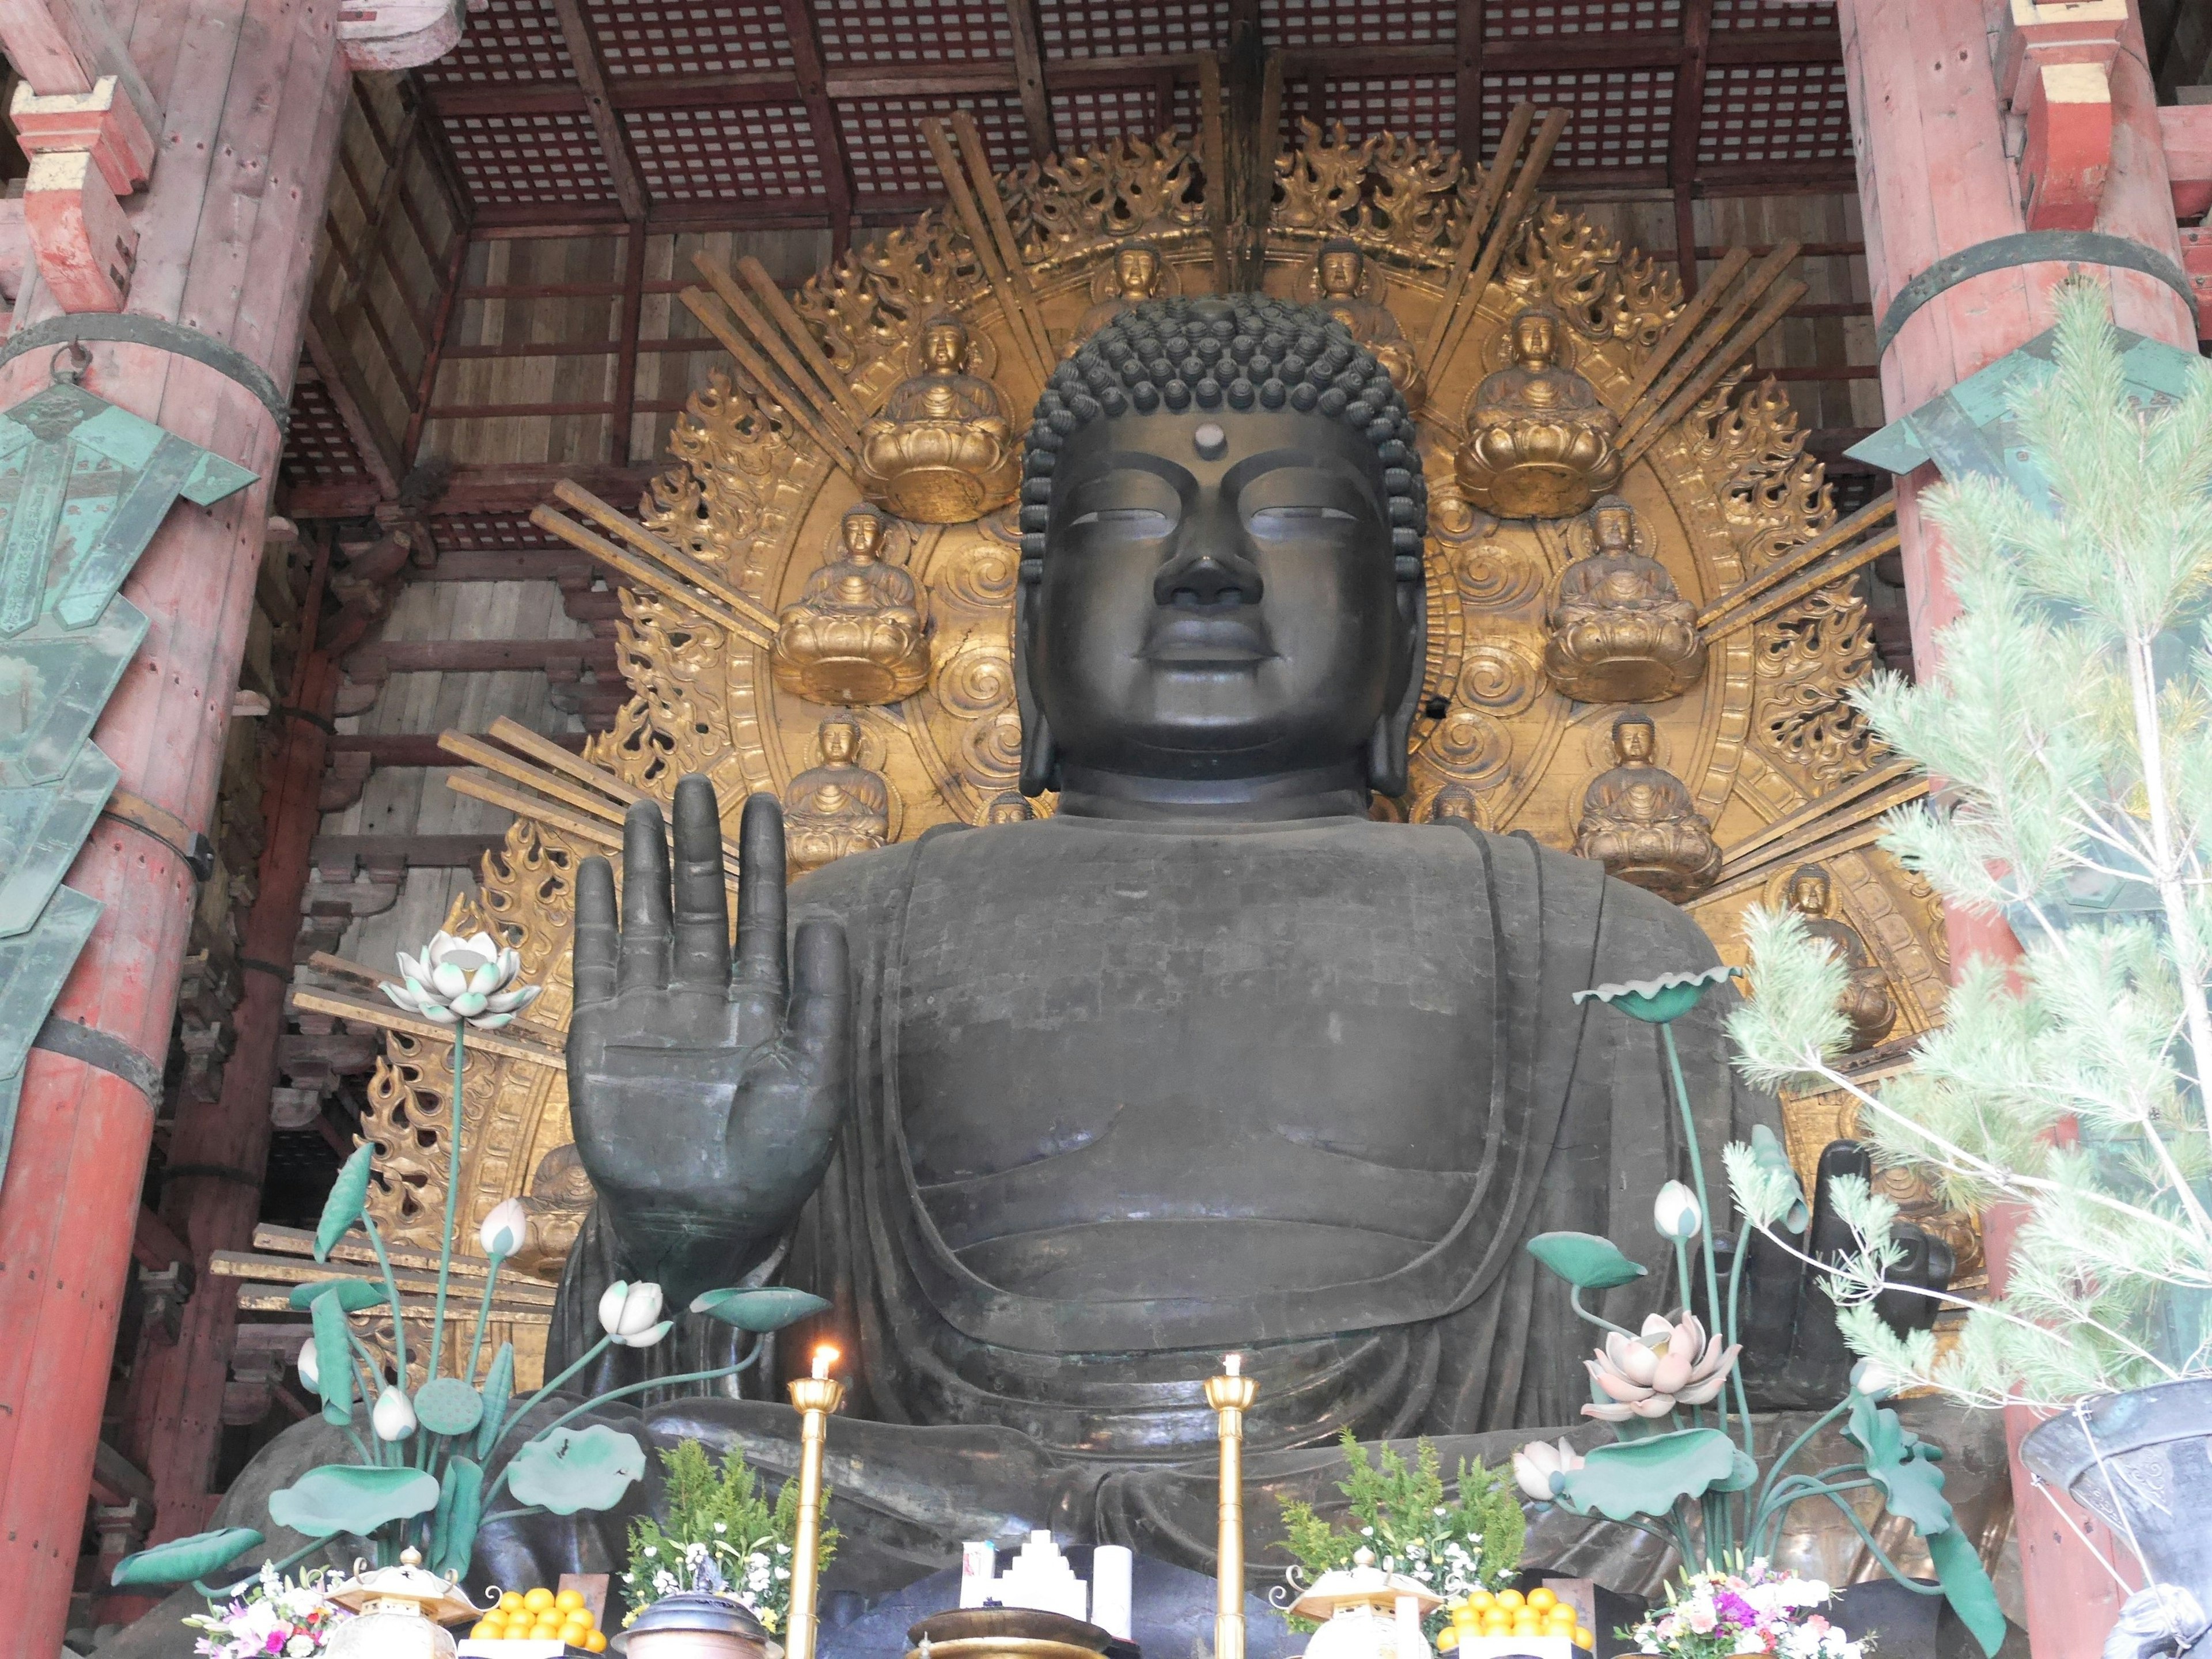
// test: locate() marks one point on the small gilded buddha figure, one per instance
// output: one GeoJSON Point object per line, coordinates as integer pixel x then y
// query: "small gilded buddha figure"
{"type": "Point", "coordinates": [942, 451]}
{"type": "Point", "coordinates": [856, 636]}
{"type": "Point", "coordinates": [1136, 276]}
{"type": "Point", "coordinates": [1620, 629]}
{"type": "Point", "coordinates": [1865, 1000]}
{"type": "Point", "coordinates": [836, 808]}
{"type": "Point", "coordinates": [1338, 271]}
{"type": "Point", "coordinates": [1539, 443]}
{"type": "Point", "coordinates": [1640, 823]}
{"type": "Point", "coordinates": [1010, 806]}
{"type": "Point", "coordinates": [1456, 803]}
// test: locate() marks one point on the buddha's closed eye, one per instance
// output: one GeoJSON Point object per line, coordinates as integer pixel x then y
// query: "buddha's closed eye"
{"type": "Point", "coordinates": [1139, 521]}
{"type": "Point", "coordinates": [1290, 521]}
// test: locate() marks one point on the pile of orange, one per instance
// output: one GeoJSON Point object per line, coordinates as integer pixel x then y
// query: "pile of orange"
{"type": "Point", "coordinates": [539, 1615]}
{"type": "Point", "coordinates": [1508, 1613]}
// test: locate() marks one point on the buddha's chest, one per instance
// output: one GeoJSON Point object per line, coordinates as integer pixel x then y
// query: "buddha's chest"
{"type": "Point", "coordinates": [1182, 1026]}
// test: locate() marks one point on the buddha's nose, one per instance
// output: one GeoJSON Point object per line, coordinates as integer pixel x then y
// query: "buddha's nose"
{"type": "Point", "coordinates": [1204, 572]}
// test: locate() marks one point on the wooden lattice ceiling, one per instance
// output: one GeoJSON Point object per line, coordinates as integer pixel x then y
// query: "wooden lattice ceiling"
{"type": "Point", "coordinates": [787, 113]}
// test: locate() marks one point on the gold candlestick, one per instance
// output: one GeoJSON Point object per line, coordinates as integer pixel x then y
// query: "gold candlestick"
{"type": "Point", "coordinates": [1230, 1394]}
{"type": "Point", "coordinates": [814, 1398]}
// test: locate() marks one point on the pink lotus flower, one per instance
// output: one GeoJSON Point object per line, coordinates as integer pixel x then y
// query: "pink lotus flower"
{"type": "Point", "coordinates": [1668, 1365]}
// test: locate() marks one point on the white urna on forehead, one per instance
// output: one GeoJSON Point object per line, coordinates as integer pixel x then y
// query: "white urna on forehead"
{"type": "Point", "coordinates": [1234, 354]}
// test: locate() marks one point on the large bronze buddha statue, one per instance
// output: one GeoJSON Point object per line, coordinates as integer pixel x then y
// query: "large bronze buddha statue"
{"type": "Point", "coordinates": [1055, 1113]}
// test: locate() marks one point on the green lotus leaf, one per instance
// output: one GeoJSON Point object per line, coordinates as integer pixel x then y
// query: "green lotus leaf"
{"type": "Point", "coordinates": [1649, 1477]}
{"type": "Point", "coordinates": [1910, 1480]}
{"type": "Point", "coordinates": [349, 1196]}
{"type": "Point", "coordinates": [759, 1308]}
{"type": "Point", "coordinates": [354, 1294]}
{"type": "Point", "coordinates": [183, 1559]}
{"type": "Point", "coordinates": [1966, 1587]}
{"type": "Point", "coordinates": [1743, 1477]}
{"type": "Point", "coordinates": [498, 1390]}
{"type": "Point", "coordinates": [1584, 1261]}
{"type": "Point", "coordinates": [460, 1510]}
{"type": "Point", "coordinates": [573, 1469]}
{"type": "Point", "coordinates": [333, 1360]}
{"type": "Point", "coordinates": [348, 1498]}
{"type": "Point", "coordinates": [1661, 1001]}
{"type": "Point", "coordinates": [446, 1404]}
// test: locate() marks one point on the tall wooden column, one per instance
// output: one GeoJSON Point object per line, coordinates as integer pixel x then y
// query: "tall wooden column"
{"type": "Point", "coordinates": [1928, 121]}
{"type": "Point", "coordinates": [252, 92]}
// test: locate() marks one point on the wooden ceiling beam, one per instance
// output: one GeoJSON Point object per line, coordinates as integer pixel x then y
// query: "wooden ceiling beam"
{"type": "Point", "coordinates": [592, 82]}
{"type": "Point", "coordinates": [1466, 80]}
{"type": "Point", "coordinates": [1683, 131]}
{"type": "Point", "coordinates": [822, 115]}
{"type": "Point", "coordinates": [1028, 32]}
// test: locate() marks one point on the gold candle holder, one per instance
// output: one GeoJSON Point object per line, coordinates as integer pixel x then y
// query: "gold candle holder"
{"type": "Point", "coordinates": [1230, 1395]}
{"type": "Point", "coordinates": [814, 1398]}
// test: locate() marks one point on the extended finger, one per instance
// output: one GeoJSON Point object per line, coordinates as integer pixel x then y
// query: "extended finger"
{"type": "Point", "coordinates": [645, 899]}
{"type": "Point", "coordinates": [821, 997]}
{"type": "Point", "coordinates": [702, 904]}
{"type": "Point", "coordinates": [595, 946]}
{"type": "Point", "coordinates": [761, 959]}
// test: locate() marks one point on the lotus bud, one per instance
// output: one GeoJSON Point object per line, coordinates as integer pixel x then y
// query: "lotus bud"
{"type": "Point", "coordinates": [394, 1415]}
{"type": "Point", "coordinates": [627, 1311]}
{"type": "Point", "coordinates": [1537, 1464]}
{"type": "Point", "coordinates": [507, 1229]}
{"type": "Point", "coordinates": [1876, 1380]}
{"type": "Point", "coordinates": [311, 1367]}
{"type": "Point", "coordinates": [1676, 1214]}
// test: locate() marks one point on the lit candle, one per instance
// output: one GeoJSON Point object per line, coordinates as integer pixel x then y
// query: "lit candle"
{"type": "Point", "coordinates": [814, 1398]}
{"type": "Point", "coordinates": [1233, 1364]}
{"type": "Point", "coordinates": [825, 1357]}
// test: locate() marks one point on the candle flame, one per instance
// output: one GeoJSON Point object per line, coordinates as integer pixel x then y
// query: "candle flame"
{"type": "Point", "coordinates": [824, 1357]}
{"type": "Point", "coordinates": [1233, 1365]}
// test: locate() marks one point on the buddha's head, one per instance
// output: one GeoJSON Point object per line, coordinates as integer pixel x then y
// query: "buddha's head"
{"type": "Point", "coordinates": [1614, 523]}
{"type": "Point", "coordinates": [838, 738]}
{"type": "Point", "coordinates": [945, 346]}
{"type": "Point", "coordinates": [1635, 739]}
{"type": "Point", "coordinates": [1455, 803]}
{"type": "Point", "coordinates": [1535, 339]}
{"type": "Point", "coordinates": [1011, 807]}
{"type": "Point", "coordinates": [1810, 890]}
{"type": "Point", "coordinates": [1338, 268]}
{"type": "Point", "coordinates": [1136, 270]}
{"type": "Point", "coordinates": [1221, 589]}
{"type": "Point", "coordinates": [864, 533]}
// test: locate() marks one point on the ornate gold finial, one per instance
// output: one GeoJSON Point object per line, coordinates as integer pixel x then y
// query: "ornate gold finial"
{"type": "Point", "coordinates": [1339, 275]}
{"type": "Point", "coordinates": [837, 807]}
{"type": "Point", "coordinates": [1137, 273]}
{"type": "Point", "coordinates": [1620, 629]}
{"type": "Point", "coordinates": [942, 451]}
{"type": "Point", "coordinates": [1639, 821]}
{"type": "Point", "coordinates": [1865, 1002]}
{"type": "Point", "coordinates": [857, 634]}
{"type": "Point", "coordinates": [1539, 443]}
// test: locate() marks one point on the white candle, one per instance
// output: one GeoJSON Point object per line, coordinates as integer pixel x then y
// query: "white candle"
{"type": "Point", "coordinates": [824, 1357]}
{"type": "Point", "coordinates": [1112, 1572]}
{"type": "Point", "coordinates": [1232, 1365]}
{"type": "Point", "coordinates": [979, 1565]}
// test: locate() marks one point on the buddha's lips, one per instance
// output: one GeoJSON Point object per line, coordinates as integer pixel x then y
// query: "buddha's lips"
{"type": "Point", "coordinates": [1194, 639]}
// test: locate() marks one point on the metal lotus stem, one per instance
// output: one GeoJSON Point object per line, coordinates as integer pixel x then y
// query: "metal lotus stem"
{"type": "Point", "coordinates": [814, 1398]}
{"type": "Point", "coordinates": [1230, 1395]}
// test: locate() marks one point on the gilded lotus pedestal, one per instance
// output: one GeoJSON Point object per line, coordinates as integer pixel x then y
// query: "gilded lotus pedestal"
{"type": "Point", "coordinates": [1539, 442]}
{"type": "Point", "coordinates": [939, 472]}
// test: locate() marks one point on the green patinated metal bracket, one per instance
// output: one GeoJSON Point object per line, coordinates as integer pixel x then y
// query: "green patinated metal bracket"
{"type": "Point", "coordinates": [83, 487]}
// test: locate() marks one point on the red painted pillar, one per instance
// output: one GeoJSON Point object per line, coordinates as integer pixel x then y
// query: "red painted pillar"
{"type": "Point", "coordinates": [1935, 179]}
{"type": "Point", "coordinates": [254, 92]}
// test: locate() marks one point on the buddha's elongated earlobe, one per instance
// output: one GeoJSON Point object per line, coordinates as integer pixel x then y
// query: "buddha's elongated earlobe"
{"type": "Point", "coordinates": [1387, 758]}
{"type": "Point", "coordinates": [1040, 756]}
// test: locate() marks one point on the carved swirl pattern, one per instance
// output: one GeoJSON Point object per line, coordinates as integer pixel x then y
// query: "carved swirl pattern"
{"type": "Point", "coordinates": [978, 682]}
{"type": "Point", "coordinates": [1470, 746]}
{"type": "Point", "coordinates": [1501, 675]}
{"type": "Point", "coordinates": [1495, 577]}
{"type": "Point", "coordinates": [980, 573]}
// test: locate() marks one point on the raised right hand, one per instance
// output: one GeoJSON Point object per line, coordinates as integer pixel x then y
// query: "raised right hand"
{"type": "Point", "coordinates": [705, 1095]}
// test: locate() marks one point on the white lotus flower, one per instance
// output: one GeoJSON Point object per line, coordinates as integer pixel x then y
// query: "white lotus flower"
{"type": "Point", "coordinates": [630, 1314]}
{"type": "Point", "coordinates": [311, 1367]}
{"type": "Point", "coordinates": [394, 1415]}
{"type": "Point", "coordinates": [1676, 1214]}
{"type": "Point", "coordinates": [1535, 1463]}
{"type": "Point", "coordinates": [1671, 1363]}
{"type": "Point", "coordinates": [507, 1229]}
{"type": "Point", "coordinates": [467, 979]}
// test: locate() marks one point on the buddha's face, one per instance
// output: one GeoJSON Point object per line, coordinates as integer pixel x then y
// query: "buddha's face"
{"type": "Point", "coordinates": [1616, 529]}
{"type": "Point", "coordinates": [1452, 803]}
{"type": "Point", "coordinates": [1635, 742]}
{"type": "Point", "coordinates": [1339, 273]}
{"type": "Point", "coordinates": [1535, 337]}
{"type": "Point", "coordinates": [945, 347]}
{"type": "Point", "coordinates": [1808, 893]}
{"type": "Point", "coordinates": [1008, 809]}
{"type": "Point", "coordinates": [1217, 605]}
{"type": "Point", "coordinates": [1136, 269]}
{"type": "Point", "coordinates": [840, 741]}
{"type": "Point", "coordinates": [864, 538]}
